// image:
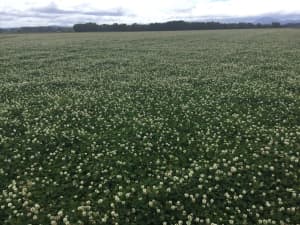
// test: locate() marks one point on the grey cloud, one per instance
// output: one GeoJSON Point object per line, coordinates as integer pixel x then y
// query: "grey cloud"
{"type": "Point", "coordinates": [51, 14]}
{"type": "Point", "coordinates": [21, 14]}
{"type": "Point", "coordinates": [52, 9]}
{"type": "Point", "coordinates": [185, 10]}
{"type": "Point", "coordinates": [283, 18]}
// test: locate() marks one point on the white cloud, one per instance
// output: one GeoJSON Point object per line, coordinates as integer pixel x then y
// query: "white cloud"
{"type": "Point", "coordinates": [25, 12]}
{"type": "Point", "coordinates": [245, 7]}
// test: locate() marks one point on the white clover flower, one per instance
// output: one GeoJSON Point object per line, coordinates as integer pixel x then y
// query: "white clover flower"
{"type": "Point", "coordinates": [117, 199]}
{"type": "Point", "coordinates": [144, 191]}
{"type": "Point", "coordinates": [65, 220]}
{"type": "Point", "coordinates": [104, 219]}
{"type": "Point", "coordinates": [151, 203]}
{"type": "Point", "coordinates": [268, 204]}
{"type": "Point", "coordinates": [233, 169]}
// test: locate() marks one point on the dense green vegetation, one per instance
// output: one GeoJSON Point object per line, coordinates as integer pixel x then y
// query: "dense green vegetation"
{"type": "Point", "coordinates": [168, 26]}
{"type": "Point", "coordinates": [150, 128]}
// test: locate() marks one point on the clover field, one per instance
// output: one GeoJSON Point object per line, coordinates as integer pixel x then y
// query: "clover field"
{"type": "Point", "coordinates": [150, 128]}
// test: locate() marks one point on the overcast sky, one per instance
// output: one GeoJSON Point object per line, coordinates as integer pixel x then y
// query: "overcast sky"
{"type": "Point", "coordinates": [67, 12]}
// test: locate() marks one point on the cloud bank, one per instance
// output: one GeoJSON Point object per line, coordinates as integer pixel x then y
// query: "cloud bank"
{"type": "Point", "coordinates": [15, 13]}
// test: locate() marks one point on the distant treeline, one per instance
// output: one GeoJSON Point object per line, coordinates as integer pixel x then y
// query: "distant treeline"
{"type": "Point", "coordinates": [168, 26]}
{"type": "Point", "coordinates": [40, 29]}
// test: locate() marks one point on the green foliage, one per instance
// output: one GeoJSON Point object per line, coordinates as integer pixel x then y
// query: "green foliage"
{"type": "Point", "coordinates": [168, 26]}
{"type": "Point", "coordinates": [150, 128]}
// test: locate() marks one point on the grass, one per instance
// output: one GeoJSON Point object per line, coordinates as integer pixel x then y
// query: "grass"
{"type": "Point", "coordinates": [198, 127]}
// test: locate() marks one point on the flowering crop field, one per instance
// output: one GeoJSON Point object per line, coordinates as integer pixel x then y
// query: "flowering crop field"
{"type": "Point", "coordinates": [150, 128]}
